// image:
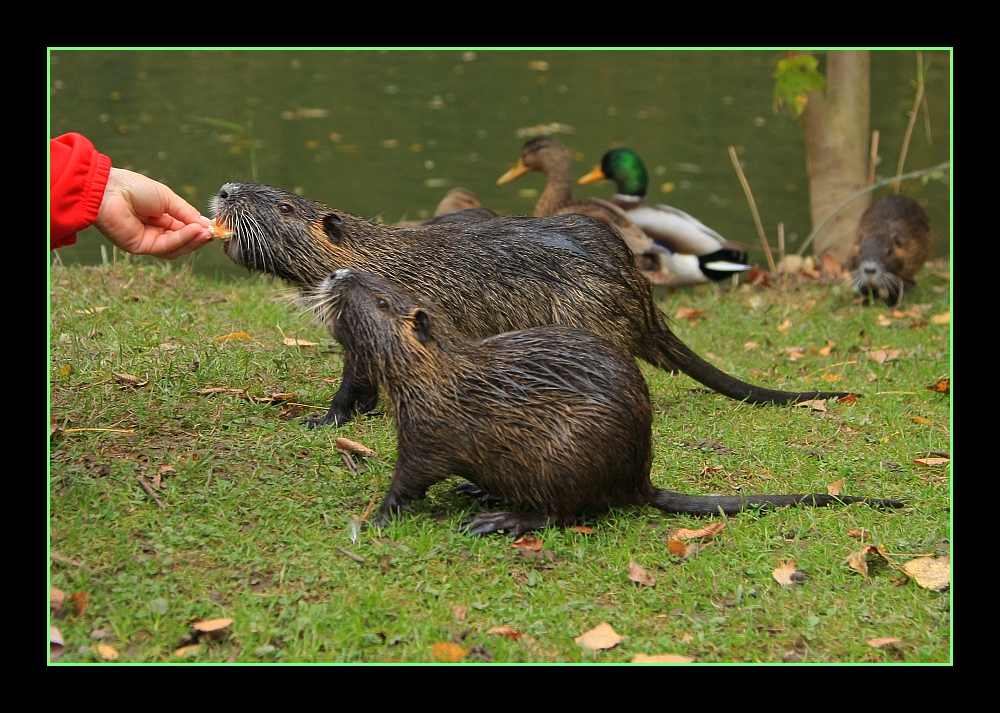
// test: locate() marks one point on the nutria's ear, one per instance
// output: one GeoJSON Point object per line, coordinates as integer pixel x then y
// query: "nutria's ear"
{"type": "Point", "coordinates": [333, 226]}
{"type": "Point", "coordinates": [421, 325]}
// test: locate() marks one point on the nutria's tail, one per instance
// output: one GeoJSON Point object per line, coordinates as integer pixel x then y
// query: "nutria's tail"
{"type": "Point", "coordinates": [675, 354]}
{"type": "Point", "coordinates": [730, 505]}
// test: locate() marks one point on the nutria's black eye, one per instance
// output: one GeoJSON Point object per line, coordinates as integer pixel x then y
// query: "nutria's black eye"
{"type": "Point", "coordinates": [382, 303]}
{"type": "Point", "coordinates": [286, 208]}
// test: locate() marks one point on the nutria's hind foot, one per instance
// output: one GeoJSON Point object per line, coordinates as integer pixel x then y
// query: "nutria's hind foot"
{"type": "Point", "coordinates": [514, 524]}
{"type": "Point", "coordinates": [474, 491]}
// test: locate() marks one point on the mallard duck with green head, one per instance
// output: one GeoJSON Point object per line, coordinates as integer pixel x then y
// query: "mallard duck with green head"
{"type": "Point", "coordinates": [548, 155]}
{"type": "Point", "coordinates": [698, 253]}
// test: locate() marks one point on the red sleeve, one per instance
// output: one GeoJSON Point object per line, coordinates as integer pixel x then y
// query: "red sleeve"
{"type": "Point", "coordinates": [78, 176]}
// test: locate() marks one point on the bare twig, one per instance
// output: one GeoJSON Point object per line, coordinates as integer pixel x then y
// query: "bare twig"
{"type": "Point", "coordinates": [348, 553]}
{"type": "Point", "coordinates": [913, 119]}
{"type": "Point", "coordinates": [146, 486]}
{"type": "Point", "coordinates": [753, 210]}
{"type": "Point", "coordinates": [872, 158]}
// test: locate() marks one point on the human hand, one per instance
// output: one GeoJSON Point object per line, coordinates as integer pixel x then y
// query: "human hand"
{"type": "Point", "coordinates": [145, 217]}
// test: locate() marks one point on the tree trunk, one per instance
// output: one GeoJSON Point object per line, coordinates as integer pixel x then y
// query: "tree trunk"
{"type": "Point", "coordinates": [836, 128]}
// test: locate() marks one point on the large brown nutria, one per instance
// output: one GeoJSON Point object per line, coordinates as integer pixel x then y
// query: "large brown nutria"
{"type": "Point", "coordinates": [893, 242]}
{"type": "Point", "coordinates": [552, 418]}
{"type": "Point", "coordinates": [488, 276]}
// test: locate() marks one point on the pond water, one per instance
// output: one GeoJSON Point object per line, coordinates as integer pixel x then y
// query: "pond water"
{"type": "Point", "coordinates": [385, 134]}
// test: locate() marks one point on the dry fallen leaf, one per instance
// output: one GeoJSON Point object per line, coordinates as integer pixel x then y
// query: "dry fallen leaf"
{"type": "Point", "coordinates": [234, 335]}
{"type": "Point", "coordinates": [941, 386]}
{"type": "Point", "coordinates": [508, 632]}
{"type": "Point", "coordinates": [880, 356]}
{"type": "Point", "coordinates": [676, 548]}
{"type": "Point", "coordinates": [814, 404]}
{"type": "Point", "coordinates": [638, 574]}
{"type": "Point", "coordinates": [883, 641]}
{"type": "Point", "coordinates": [863, 534]}
{"type": "Point", "coordinates": [930, 572]}
{"type": "Point", "coordinates": [448, 652]}
{"type": "Point", "coordinates": [786, 575]}
{"type": "Point", "coordinates": [662, 658]}
{"type": "Point", "coordinates": [108, 653]}
{"type": "Point", "coordinates": [56, 643]}
{"type": "Point", "coordinates": [599, 638]}
{"type": "Point", "coordinates": [931, 461]}
{"type": "Point", "coordinates": [79, 602]}
{"type": "Point", "coordinates": [707, 531]}
{"type": "Point", "coordinates": [459, 611]}
{"type": "Point", "coordinates": [942, 318]}
{"type": "Point", "coordinates": [529, 542]}
{"type": "Point", "coordinates": [835, 487]}
{"type": "Point", "coordinates": [355, 447]}
{"type": "Point", "coordinates": [293, 342]}
{"type": "Point", "coordinates": [212, 624]}
{"type": "Point", "coordinates": [919, 419]}
{"type": "Point", "coordinates": [187, 650]}
{"type": "Point", "coordinates": [582, 529]}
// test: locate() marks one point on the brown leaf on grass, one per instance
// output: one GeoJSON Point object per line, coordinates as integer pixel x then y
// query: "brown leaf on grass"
{"type": "Point", "coordinates": [942, 318]}
{"type": "Point", "coordinates": [638, 575]}
{"type": "Point", "coordinates": [709, 469]}
{"type": "Point", "coordinates": [919, 419]}
{"type": "Point", "coordinates": [830, 377]}
{"type": "Point", "coordinates": [582, 529]}
{"type": "Point", "coordinates": [599, 638]}
{"type": "Point", "coordinates": [57, 599]}
{"type": "Point", "coordinates": [931, 461]}
{"type": "Point", "coordinates": [823, 351]}
{"type": "Point", "coordinates": [161, 473]}
{"type": "Point", "coordinates": [814, 404]}
{"type": "Point", "coordinates": [448, 652]}
{"type": "Point", "coordinates": [79, 602]}
{"type": "Point", "coordinates": [941, 386]}
{"type": "Point", "coordinates": [459, 611]}
{"type": "Point", "coordinates": [529, 542]}
{"type": "Point", "coordinates": [708, 531]}
{"type": "Point", "coordinates": [508, 632]}
{"type": "Point", "coordinates": [662, 658]}
{"type": "Point", "coordinates": [858, 561]}
{"type": "Point", "coordinates": [56, 643]}
{"type": "Point", "coordinates": [293, 342]}
{"type": "Point", "coordinates": [784, 326]}
{"type": "Point", "coordinates": [92, 310]}
{"type": "Point", "coordinates": [688, 314]}
{"type": "Point", "coordinates": [108, 653]}
{"type": "Point", "coordinates": [188, 650]}
{"type": "Point", "coordinates": [930, 572]}
{"type": "Point", "coordinates": [863, 534]}
{"type": "Point", "coordinates": [355, 447]}
{"type": "Point", "coordinates": [129, 381]}
{"type": "Point", "coordinates": [880, 356]}
{"type": "Point", "coordinates": [786, 575]}
{"type": "Point", "coordinates": [878, 643]}
{"type": "Point", "coordinates": [676, 548]}
{"type": "Point", "coordinates": [207, 625]}
{"type": "Point", "coordinates": [234, 335]}
{"type": "Point", "coordinates": [835, 487]}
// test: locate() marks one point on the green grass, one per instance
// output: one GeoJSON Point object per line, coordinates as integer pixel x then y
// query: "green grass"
{"type": "Point", "coordinates": [256, 505]}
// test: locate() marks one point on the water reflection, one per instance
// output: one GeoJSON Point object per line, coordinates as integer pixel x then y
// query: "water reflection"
{"type": "Point", "coordinates": [385, 134]}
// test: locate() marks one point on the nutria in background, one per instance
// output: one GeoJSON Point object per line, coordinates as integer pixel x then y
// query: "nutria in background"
{"type": "Point", "coordinates": [893, 242]}
{"type": "Point", "coordinates": [553, 418]}
{"type": "Point", "coordinates": [487, 276]}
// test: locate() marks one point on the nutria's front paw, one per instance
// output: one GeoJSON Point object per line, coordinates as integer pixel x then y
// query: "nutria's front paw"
{"type": "Point", "coordinates": [332, 418]}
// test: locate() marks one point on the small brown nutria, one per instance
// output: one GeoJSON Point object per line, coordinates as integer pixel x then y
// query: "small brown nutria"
{"type": "Point", "coordinates": [552, 419]}
{"type": "Point", "coordinates": [488, 276]}
{"type": "Point", "coordinates": [893, 242]}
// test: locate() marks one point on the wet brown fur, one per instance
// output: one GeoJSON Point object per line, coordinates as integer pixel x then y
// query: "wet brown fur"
{"type": "Point", "coordinates": [554, 419]}
{"type": "Point", "coordinates": [488, 276]}
{"type": "Point", "coordinates": [893, 241]}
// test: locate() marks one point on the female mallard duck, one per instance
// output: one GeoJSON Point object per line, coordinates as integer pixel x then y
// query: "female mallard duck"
{"type": "Point", "coordinates": [546, 154]}
{"type": "Point", "coordinates": [700, 253]}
